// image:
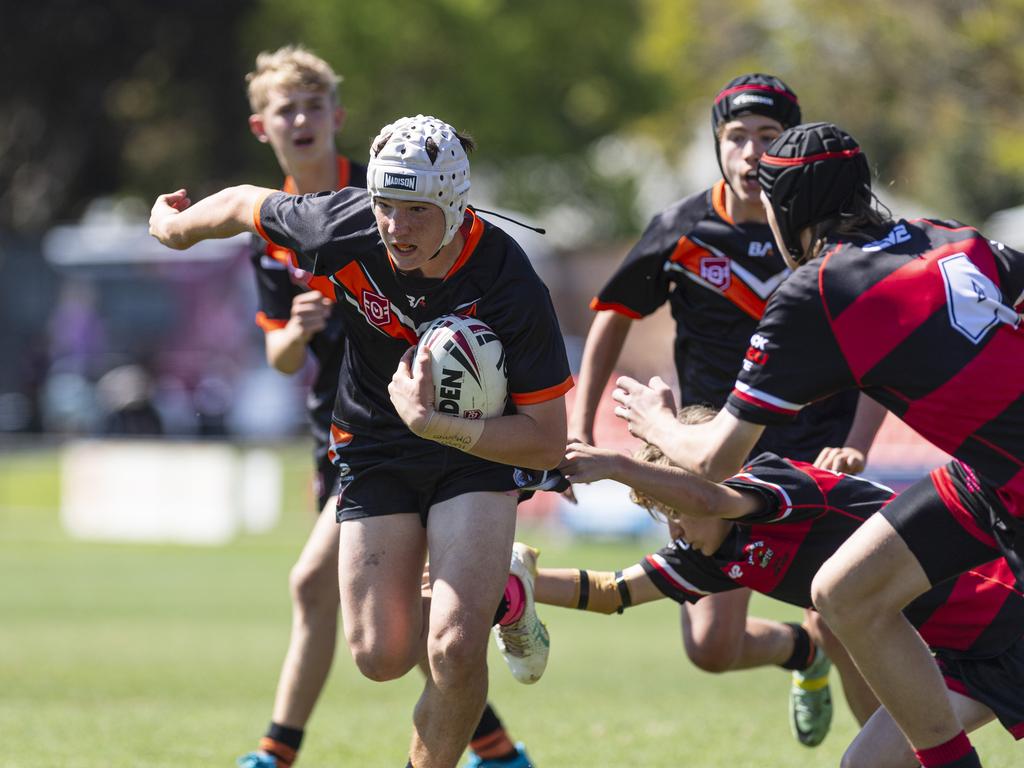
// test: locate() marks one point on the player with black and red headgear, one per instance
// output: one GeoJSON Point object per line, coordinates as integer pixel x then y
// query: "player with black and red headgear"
{"type": "Point", "coordinates": [770, 527]}
{"type": "Point", "coordinates": [923, 315]}
{"type": "Point", "coordinates": [711, 257]}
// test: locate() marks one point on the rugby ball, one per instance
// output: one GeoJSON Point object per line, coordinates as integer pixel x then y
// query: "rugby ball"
{"type": "Point", "coordinates": [467, 361]}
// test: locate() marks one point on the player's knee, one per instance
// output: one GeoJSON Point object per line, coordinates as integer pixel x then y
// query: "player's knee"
{"type": "Point", "coordinates": [381, 664]}
{"type": "Point", "coordinates": [312, 591]}
{"type": "Point", "coordinates": [709, 656]}
{"type": "Point", "coordinates": [456, 656]}
{"type": "Point", "coordinates": [835, 595]}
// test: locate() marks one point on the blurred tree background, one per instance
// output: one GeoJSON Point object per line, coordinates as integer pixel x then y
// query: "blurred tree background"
{"type": "Point", "coordinates": [126, 98]}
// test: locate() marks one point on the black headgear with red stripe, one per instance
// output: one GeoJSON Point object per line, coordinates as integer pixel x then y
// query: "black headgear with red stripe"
{"type": "Point", "coordinates": [753, 94]}
{"type": "Point", "coordinates": [812, 173]}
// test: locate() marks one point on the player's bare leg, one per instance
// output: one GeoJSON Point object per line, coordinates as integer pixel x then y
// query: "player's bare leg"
{"type": "Point", "coordinates": [881, 744]}
{"type": "Point", "coordinates": [314, 588]}
{"type": "Point", "coordinates": [718, 636]}
{"type": "Point", "coordinates": [380, 561]}
{"type": "Point", "coordinates": [470, 540]}
{"type": "Point", "coordinates": [858, 693]}
{"type": "Point", "coordinates": [861, 591]}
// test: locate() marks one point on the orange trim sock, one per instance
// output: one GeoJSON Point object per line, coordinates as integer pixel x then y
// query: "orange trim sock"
{"type": "Point", "coordinates": [284, 754]}
{"type": "Point", "coordinates": [490, 741]}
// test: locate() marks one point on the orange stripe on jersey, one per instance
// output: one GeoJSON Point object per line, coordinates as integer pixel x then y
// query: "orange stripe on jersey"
{"type": "Point", "coordinates": [602, 306]}
{"type": "Point", "coordinates": [375, 307]}
{"type": "Point", "coordinates": [268, 323]}
{"type": "Point", "coordinates": [256, 217]}
{"type": "Point", "coordinates": [542, 395]}
{"type": "Point", "coordinates": [339, 436]}
{"type": "Point", "coordinates": [695, 259]}
{"type": "Point", "coordinates": [718, 201]}
{"type": "Point", "coordinates": [344, 166]}
{"type": "Point", "coordinates": [476, 231]}
{"type": "Point", "coordinates": [344, 171]}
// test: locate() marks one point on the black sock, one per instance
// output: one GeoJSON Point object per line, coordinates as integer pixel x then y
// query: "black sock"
{"type": "Point", "coordinates": [282, 733]}
{"type": "Point", "coordinates": [803, 649]}
{"type": "Point", "coordinates": [489, 723]}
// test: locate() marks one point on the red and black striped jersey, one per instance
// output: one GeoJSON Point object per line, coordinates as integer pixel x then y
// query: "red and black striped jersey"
{"type": "Point", "coordinates": [334, 236]}
{"type": "Point", "coordinates": [278, 282]}
{"type": "Point", "coordinates": [926, 321]}
{"type": "Point", "coordinates": [807, 514]}
{"type": "Point", "coordinates": [717, 276]}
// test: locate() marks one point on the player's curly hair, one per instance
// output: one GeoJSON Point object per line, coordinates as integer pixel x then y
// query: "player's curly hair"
{"type": "Point", "coordinates": [291, 66]}
{"type": "Point", "coordinates": [691, 414]}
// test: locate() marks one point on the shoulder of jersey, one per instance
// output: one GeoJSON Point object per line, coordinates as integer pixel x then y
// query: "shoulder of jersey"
{"type": "Point", "coordinates": [685, 213]}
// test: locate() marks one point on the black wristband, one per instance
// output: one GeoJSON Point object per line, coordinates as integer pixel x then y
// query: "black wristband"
{"type": "Point", "coordinates": [620, 584]}
{"type": "Point", "coordinates": [584, 600]}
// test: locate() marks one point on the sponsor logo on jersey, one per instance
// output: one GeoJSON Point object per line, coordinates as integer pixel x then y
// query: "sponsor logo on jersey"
{"type": "Point", "coordinates": [758, 554]}
{"type": "Point", "coordinates": [377, 308]}
{"type": "Point", "coordinates": [735, 572]}
{"type": "Point", "coordinates": [399, 181]}
{"type": "Point", "coordinates": [759, 250]}
{"type": "Point", "coordinates": [752, 98]}
{"type": "Point", "coordinates": [897, 235]}
{"type": "Point", "coordinates": [715, 270]}
{"type": "Point", "coordinates": [416, 301]}
{"type": "Point", "coordinates": [756, 354]}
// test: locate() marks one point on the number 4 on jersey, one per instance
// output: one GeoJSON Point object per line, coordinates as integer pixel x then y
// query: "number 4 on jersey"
{"type": "Point", "coordinates": [975, 303]}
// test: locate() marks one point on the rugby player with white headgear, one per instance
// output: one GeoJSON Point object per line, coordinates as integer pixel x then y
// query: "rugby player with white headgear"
{"type": "Point", "coordinates": [416, 481]}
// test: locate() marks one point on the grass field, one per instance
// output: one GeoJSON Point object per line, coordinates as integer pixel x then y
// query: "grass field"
{"type": "Point", "coordinates": [167, 656]}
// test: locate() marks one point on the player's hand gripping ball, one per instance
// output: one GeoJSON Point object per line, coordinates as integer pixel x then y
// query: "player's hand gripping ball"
{"type": "Point", "coordinates": [467, 361]}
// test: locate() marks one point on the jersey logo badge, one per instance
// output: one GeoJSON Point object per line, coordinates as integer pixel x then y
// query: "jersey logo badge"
{"type": "Point", "coordinates": [758, 554]}
{"type": "Point", "coordinates": [759, 250]}
{"type": "Point", "coordinates": [897, 235]}
{"type": "Point", "coordinates": [416, 301]}
{"type": "Point", "coordinates": [735, 572]}
{"type": "Point", "coordinates": [377, 308]}
{"type": "Point", "coordinates": [715, 270]}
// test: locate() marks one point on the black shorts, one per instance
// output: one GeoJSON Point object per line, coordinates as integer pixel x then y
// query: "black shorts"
{"type": "Point", "coordinates": [325, 479]}
{"type": "Point", "coordinates": [996, 682]}
{"type": "Point", "coordinates": [947, 521]}
{"type": "Point", "coordinates": [409, 475]}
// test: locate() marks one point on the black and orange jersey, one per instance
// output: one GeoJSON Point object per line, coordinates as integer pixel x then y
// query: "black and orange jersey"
{"type": "Point", "coordinates": [926, 321]}
{"type": "Point", "coordinates": [278, 282]}
{"type": "Point", "coordinates": [334, 236]}
{"type": "Point", "coordinates": [717, 276]}
{"type": "Point", "coordinates": [806, 514]}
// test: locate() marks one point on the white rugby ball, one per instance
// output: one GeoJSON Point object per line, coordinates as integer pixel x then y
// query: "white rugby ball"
{"type": "Point", "coordinates": [467, 361]}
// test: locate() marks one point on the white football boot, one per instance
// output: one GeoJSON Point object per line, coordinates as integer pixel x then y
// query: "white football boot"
{"type": "Point", "coordinates": [524, 644]}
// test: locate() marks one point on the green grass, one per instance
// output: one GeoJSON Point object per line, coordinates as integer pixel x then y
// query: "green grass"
{"type": "Point", "coordinates": [161, 656]}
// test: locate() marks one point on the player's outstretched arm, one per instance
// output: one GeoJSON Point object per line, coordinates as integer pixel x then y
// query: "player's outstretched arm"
{"type": "Point", "coordinates": [676, 488]}
{"type": "Point", "coordinates": [179, 224]}
{"type": "Point", "coordinates": [715, 449]}
{"type": "Point", "coordinates": [597, 591]}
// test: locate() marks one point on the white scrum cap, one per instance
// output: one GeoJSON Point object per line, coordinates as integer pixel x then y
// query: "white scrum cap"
{"type": "Point", "coordinates": [421, 158]}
